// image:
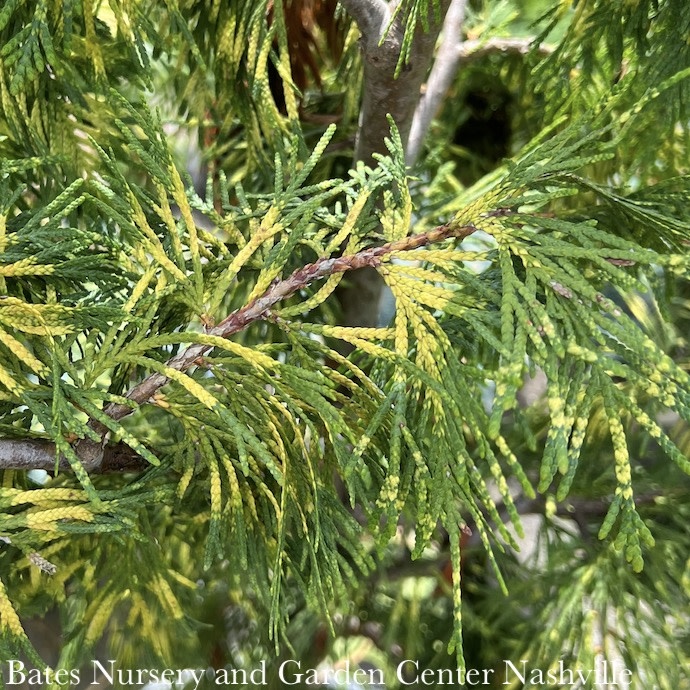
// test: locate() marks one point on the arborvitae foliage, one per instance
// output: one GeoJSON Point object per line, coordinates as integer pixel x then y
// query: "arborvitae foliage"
{"type": "Point", "coordinates": [232, 476]}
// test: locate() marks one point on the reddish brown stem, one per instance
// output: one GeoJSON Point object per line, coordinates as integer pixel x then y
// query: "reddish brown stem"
{"type": "Point", "coordinates": [259, 307]}
{"type": "Point", "coordinates": [25, 454]}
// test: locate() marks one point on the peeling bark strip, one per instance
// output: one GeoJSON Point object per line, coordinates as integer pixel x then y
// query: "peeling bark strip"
{"type": "Point", "coordinates": [40, 455]}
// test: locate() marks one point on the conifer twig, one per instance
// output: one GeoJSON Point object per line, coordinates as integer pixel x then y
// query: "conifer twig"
{"type": "Point", "coordinates": [38, 454]}
{"type": "Point", "coordinates": [259, 307]}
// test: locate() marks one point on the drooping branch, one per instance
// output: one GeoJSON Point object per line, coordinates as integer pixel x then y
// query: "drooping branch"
{"type": "Point", "coordinates": [259, 307]}
{"type": "Point", "coordinates": [96, 457]}
{"type": "Point", "coordinates": [383, 94]}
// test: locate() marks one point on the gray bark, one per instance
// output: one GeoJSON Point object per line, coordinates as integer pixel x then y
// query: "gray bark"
{"type": "Point", "coordinates": [384, 94]}
{"type": "Point", "coordinates": [441, 77]}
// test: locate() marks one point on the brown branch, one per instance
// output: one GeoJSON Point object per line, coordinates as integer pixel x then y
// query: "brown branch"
{"type": "Point", "coordinates": [37, 454]}
{"type": "Point", "coordinates": [259, 307]}
{"type": "Point", "coordinates": [384, 93]}
{"type": "Point", "coordinates": [24, 454]}
{"type": "Point", "coordinates": [31, 454]}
